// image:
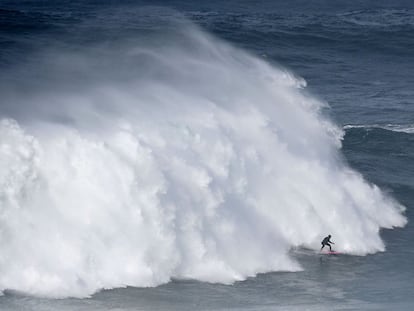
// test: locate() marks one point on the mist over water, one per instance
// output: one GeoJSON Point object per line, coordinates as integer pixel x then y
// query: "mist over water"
{"type": "Point", "coordinates": [170, 156]}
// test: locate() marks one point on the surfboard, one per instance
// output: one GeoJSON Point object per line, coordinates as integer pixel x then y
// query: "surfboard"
{"type": "Point", "coordinates": [332, 253]}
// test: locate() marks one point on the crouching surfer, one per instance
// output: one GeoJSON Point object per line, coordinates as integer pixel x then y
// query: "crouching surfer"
{"type": "Point", "coordinates": [327, 241]}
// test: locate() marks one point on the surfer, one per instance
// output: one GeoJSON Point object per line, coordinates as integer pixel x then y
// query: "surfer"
{"type": "Point", "coordinates": [327, 241]}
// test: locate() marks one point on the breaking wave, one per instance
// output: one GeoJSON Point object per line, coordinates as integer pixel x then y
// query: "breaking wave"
{"type": "Point", "coordinates": [190, 158]}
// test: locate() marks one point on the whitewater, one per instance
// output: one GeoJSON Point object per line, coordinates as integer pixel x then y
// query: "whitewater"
{"type": "Point", "coordinates": [141, 162]}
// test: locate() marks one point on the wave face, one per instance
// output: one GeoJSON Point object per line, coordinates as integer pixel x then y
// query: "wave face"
{"type": "Point", "coordinates": [145, 161]}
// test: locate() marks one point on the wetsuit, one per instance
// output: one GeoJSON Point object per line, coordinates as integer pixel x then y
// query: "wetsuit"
{"type": "Point", "coordinates": [326, 241]}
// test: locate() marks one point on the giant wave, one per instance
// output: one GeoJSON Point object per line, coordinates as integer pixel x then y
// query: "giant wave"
{"type": "Point", "coordinates": [181, 157]}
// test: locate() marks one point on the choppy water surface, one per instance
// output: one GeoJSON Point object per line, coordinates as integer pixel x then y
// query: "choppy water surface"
{"type": "Point", "coordinates": [189, 156]}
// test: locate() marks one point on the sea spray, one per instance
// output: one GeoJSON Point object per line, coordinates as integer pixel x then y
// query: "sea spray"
{"type": "Point", "coordinates": [181, 157]}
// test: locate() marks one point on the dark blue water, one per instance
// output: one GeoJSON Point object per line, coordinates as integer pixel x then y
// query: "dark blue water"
{"type": "Point", "coordinates": [358, 56]}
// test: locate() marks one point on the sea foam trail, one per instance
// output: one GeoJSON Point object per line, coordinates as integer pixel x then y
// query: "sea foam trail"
{"type": "Point", "coordinates": [186, 159]}
{"type": "Point", "coordinates": [408, 129]}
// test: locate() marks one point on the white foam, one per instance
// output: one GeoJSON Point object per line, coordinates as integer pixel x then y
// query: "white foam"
{"type": "Point", "coordinates": [183, 161]}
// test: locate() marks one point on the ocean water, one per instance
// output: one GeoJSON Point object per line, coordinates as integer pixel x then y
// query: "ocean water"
{"type": "Point", "coordinates": [185, 155]}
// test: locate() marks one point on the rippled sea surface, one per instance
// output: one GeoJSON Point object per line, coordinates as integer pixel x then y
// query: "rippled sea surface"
{"type": "Point", "coordinates": [357, 56]}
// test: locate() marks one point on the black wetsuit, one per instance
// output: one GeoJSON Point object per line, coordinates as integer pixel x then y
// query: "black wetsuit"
{"type": "Point", "coordinates": [326, 241]}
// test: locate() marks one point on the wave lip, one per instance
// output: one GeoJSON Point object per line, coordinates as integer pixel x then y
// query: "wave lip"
{"type": "Point", "coordinates": [190, 159]}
